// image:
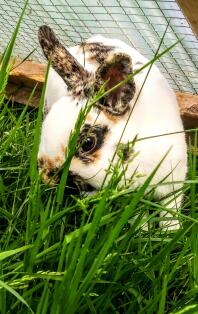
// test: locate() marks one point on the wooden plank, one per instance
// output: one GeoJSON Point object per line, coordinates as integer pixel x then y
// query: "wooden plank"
{"type": "Point", "coordinates": [188, 105]}
{"type": "Point", "coordinates": [26, 75]}
{"type": "Point", "coordinates": [22, 79]}
{"type": "Point", "coordinates": [190, 10]}
{"type": "Point", "coordinates": [21, 94]}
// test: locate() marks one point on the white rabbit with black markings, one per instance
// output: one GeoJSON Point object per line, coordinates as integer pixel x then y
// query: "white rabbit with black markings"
{"type": "Point", "coordinates": [78, 71]}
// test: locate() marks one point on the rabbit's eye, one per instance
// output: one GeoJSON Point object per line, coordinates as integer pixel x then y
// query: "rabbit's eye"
{"type": "Point", "coordinates": [90, 140]}
{"type": "Point", "coordinates": [88, 144]}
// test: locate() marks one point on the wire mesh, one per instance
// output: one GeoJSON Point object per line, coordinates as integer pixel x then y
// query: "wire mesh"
{"type": "Point", "coordinates": [140, 23]}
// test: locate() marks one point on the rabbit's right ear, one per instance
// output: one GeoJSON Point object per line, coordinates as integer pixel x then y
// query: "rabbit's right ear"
{"type": "Point", "coordinates": [70, 70]}
{"type": "Point", "coordinates": [114, 70]}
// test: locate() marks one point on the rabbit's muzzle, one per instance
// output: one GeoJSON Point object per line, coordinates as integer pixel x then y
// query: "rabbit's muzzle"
{"type": "Point", "coordinates": [76, 183]}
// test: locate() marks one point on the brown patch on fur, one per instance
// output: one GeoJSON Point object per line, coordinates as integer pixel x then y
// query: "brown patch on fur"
{"type": "Point", "coordinates": [45, 163]}
{"type": "Point", "coordinates": [48, 167]}
{"type": "Point", "coordinates": [96, 155]}
{"type": "Point", "coordinates": [92, 158]}
{"type": "Point", "coordinates": [97, 52]}
{"type": "Point", "coordinates": [58, 161]}
{"type": "Point", "coordinates": [110, 116]}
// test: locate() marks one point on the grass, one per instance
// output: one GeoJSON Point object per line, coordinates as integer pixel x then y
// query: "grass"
{"type": "Point", "coordinates": [65, 254]}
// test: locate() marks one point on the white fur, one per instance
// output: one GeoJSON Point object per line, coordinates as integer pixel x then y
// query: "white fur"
{"type": "Point", "coordinates": [156, 112]}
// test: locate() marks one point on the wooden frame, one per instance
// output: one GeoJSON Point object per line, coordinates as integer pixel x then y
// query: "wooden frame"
{"type": "Point", "coordinates": [190, 10]}
{"type": "Point", "coordinates": [26, 75]}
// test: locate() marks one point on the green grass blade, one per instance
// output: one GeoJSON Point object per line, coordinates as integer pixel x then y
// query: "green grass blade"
{"type": "Point", "coordinates": [33, 157]}
{"type": "Point", "coordinates": [6, 144]}
{"type": "Point", "coordinates": [7, 54]}
{"type": "Point", "coordinates": [7, 254]}
{"type": "Point", "coordinates": [15, 293]}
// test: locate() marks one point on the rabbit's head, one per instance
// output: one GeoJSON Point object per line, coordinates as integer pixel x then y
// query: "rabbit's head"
{"type": "Point", "coordinates": [103, 126]}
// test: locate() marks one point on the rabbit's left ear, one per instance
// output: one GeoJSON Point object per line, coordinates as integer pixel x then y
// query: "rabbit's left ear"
{"type": "Point", "coordinates": [70, 70]}
{"type": "Point", "coordinates": [116, 69]}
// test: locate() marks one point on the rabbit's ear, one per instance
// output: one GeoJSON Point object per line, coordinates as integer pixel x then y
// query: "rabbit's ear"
{"type": "Point", "coordinates": [62, 61]}
{"type": "Point", "coordinates": [115, 69]}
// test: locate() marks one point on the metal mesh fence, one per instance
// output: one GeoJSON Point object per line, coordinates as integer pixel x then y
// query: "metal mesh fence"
{"type": "Point", "coordinates": [140, 23]}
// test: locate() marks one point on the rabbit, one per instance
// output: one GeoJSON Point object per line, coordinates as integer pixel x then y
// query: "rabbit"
{"type": "Point", "coordinates": [77, 72]}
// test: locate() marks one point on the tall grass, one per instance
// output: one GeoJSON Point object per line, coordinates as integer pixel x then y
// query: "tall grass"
{"type": "Point", "coordinates": [65, 254]}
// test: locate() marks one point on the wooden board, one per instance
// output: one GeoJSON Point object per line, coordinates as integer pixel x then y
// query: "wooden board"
{"type": "Point", "coordinates": [190, 10]}
{"type": "Point", "coordinates": [188, 105]}
{"type": "Point", "coordinates": [29, 73]}
{"type": "Point", "coordinates": [21, 94]}
{"type": "Point", "coordinates": [25, 76]}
